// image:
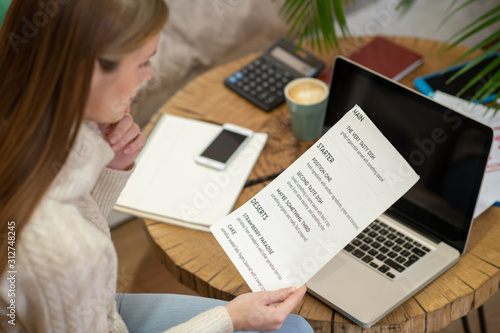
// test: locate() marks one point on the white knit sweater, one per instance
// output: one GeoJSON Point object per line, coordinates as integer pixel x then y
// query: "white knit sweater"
{"type": "Point", "coordinates": [65, 260]}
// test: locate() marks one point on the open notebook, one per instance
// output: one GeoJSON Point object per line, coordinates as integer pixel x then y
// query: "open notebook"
{"type": "Point", "coordinates": [168, 185]}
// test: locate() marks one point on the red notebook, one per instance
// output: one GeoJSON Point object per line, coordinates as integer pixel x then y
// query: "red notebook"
{"type": "Point", "coordinates": [387, 58]}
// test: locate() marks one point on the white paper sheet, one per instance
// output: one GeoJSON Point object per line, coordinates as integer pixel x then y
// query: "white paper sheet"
{"type": "Point", "coordinates": [297, 223]}
{"type": "Point", "coordinates": [169, 186]}
{"type": "Point", "coordinates": [490, 188]}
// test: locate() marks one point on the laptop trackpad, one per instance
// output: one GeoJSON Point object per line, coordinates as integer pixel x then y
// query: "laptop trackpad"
{"type": "Point", "coordinates": [328, 271]}
{"type": "Point", "coordinates": [335, 264]}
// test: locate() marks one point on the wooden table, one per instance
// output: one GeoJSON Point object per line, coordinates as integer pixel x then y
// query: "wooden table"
{"type": "Point", "coordinates": [196, 259]}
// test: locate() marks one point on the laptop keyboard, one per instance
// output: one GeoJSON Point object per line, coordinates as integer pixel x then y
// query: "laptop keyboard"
{"type": "Point", "coordinates": [385, 249]}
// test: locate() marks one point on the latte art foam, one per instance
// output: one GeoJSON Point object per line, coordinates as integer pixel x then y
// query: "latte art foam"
{"type": "Point", "coordinates": [307, 93]}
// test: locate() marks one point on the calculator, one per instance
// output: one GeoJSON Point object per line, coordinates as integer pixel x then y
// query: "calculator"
{"type": "Point", "coordinates": [262, 81]}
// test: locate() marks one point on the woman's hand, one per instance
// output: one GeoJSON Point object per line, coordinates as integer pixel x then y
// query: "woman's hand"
{"type": "Point", "coordinates": [264, 310]}
{"type": "Point", "coordinates": [126, 140]}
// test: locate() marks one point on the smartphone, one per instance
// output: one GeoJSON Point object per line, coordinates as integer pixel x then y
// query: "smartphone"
{"type": "Point", "coordinates": [226, 145]}
{"type": "Point", "coordinates": [428, 84]}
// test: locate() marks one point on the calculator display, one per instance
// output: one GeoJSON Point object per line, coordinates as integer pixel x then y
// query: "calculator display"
{"type": "Point", "coordinates": [291, 61]}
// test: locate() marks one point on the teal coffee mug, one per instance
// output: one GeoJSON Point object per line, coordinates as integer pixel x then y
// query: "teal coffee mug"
{"type": "Point", "coordinates": [306, 99]}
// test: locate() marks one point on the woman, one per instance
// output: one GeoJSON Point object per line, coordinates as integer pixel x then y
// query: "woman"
{"type": "Point", "coordinates": [69, 71]}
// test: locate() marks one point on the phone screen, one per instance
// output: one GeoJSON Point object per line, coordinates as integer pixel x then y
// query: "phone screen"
{"type": "Point", "coordinates": [223, 146]}
{"type": "Point", "coordinates": [438, 82]}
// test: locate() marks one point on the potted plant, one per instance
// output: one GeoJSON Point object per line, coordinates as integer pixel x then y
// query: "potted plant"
{"type": "Point", "coordinates": [314, 20]}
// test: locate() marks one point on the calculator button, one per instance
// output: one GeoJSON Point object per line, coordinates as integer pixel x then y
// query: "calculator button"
{"type": "Point", "coordinates": [270, 100]}
{"type": "Point", "coordinates": [263, 96]}
{"type": "Point", "coordinates": [238, 75]}
{"type": "Point", "coordinates": [232, 79]}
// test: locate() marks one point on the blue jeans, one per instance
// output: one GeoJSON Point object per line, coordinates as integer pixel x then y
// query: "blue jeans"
{"type": "Point", "coordinates": [154, 313]}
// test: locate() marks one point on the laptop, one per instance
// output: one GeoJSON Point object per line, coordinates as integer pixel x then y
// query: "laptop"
{"type": "Point", "coordinates": [424, 233]}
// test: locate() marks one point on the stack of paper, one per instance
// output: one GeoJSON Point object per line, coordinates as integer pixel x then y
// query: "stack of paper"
{"type": "Point", "coordinates": [168, 185]}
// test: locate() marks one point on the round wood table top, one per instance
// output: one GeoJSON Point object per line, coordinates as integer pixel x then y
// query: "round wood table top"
{"type": "Point", "coordinates": [196, 259]}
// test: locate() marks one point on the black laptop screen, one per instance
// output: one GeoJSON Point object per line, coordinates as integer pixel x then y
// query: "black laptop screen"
{"type": "Point", "coordinates": [448, 151]}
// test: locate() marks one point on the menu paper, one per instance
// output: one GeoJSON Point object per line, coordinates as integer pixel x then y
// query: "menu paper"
{"type": "Point", "coordinates": [312, 210]}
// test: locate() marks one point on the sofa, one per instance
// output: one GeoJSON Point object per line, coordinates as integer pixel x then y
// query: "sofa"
{"type": "Point", "coordinates": [200, 35]}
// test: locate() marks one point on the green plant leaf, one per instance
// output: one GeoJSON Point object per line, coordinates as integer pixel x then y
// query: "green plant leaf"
{"type": "Point", "coordinates": [480, 46]}
{"type": "Point", "coordinates": [404, 6]}
{"type": "Point", "coordinates": [476, 61]}
{"type": "Point", "coordinates": [492, 85]}
{"type": "Point", "coordinates": [338, 8]}
{"type": "Point", "coordinates": [314, 19]}
{"type": "Point", "coordinates": [454, 11]}
{"type": "Point", "coordinates": [480, 76]}
{"type": "Point", "coordinates": [480, 26]}
{"type": "Point", "coordinates": [299, 23]}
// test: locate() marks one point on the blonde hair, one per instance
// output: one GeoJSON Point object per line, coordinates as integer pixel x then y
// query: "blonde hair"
{"type": "Point", "coordinates": [48, 50]}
